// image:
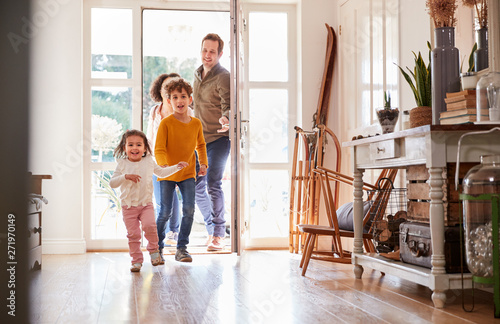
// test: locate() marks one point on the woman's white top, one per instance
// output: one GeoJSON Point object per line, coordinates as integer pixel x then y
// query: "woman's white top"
{"type": "Point", "coordinates": [140, 193]}
{"type": "Point", "coordinates": [154, 121]}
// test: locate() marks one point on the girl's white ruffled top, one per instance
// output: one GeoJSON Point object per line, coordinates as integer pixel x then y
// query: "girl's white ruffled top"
{"type": "Point", "coordinates": [140, 193]}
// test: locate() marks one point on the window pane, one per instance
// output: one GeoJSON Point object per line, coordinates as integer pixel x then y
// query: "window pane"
{"type": "Point", "coordinates": [268, 126]}
{"type": "Point", "coordinates": [172, 43]}
{"type": "Point", "coordinates": [269, 203]}
{"type": "Point", "coordinates": [111, 115]}
{"type": "Point", "coordinates": [107, 222]}
{"type": "Point", "coordinates": [268, 38]}
{"type": "Point", "coordinates": [111, 43]}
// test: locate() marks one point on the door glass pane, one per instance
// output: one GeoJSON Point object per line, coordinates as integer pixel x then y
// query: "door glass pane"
{"type": "Point", "coordinates": [111, 43]}
{"type": "Point", "coordinates": [111, 115]}
{"type": "Point", "coordinates": [107, 222]}
{"type": "Point", "coordinates": [268, 111]}
{"type": "Point", "coordinates": [172, 44]}
{"type": "Point", "coordinates": [268, 45]}
{"type": "Point", "coordinates": [269, 203]}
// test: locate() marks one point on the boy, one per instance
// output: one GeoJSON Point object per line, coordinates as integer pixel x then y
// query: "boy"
{"type": "Point", "coordinates": [179, 135]}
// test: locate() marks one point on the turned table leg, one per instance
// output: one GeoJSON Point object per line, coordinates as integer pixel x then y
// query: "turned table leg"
{"type": "Point", "coordinates": [436, 217]}
{"type": "Point", "coordinates": [358, 219]}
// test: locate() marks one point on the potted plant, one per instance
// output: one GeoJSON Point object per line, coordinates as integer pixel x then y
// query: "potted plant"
{"type": "Point", "coordinates": [469, 78]}
{"type": "Point", "coordinates": [419, 80]}
{"type": "Point", "coordinates": [387, 115]}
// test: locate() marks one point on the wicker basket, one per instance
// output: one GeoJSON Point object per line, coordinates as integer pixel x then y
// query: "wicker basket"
{"type": "Point", "coordinates": [387, 212]}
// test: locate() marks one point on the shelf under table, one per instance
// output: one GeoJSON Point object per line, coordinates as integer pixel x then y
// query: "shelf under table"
{"type": "Point", "coordinates": [412, 272]}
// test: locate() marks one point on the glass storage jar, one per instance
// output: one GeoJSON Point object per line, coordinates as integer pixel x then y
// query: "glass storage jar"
{"type": "Point", "coordinates": [478, 221]}
{"type": "Point", "coordinates": [487, 95]}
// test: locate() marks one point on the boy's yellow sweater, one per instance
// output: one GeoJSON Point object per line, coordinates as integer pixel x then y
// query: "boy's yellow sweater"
{"type": "Point", "coordinates": [176, 141]}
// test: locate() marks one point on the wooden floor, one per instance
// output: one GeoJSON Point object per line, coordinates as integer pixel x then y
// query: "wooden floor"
{"type": "Point", "coordinates": [257, 287]}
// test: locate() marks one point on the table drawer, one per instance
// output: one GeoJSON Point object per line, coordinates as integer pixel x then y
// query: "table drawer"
{"type": "Point", "coordinates": [35, 230]}
{"type": "Point", "coordinates": [33, 208]}
{"type": "Point", "coordinates": [388, 149]}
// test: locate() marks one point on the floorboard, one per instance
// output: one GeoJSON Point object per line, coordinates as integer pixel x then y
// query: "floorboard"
{"type": "Point", "coordinates": [256, 287]}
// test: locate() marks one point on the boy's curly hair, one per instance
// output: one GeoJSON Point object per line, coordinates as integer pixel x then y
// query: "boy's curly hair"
{"type": "Point", "coordinates": [179, 84]}
{"type": "Point", "coordinates": [155, 89]}
{"type": "Point", "coordinates": [120, 149]}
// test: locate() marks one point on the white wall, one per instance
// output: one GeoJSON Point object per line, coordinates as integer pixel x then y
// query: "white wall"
{"type": "Point", "coordinates": [313, 14]}
{"type": "Point", "coordinates": [414, 39]}
{"type": "Point", "coordinates": [56, 120]}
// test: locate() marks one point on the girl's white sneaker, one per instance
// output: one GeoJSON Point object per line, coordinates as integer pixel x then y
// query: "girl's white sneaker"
{"type": "Point", "coordinates": [136, 267]}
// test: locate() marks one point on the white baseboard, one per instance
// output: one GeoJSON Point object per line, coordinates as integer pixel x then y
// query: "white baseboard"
{"type": "Point", "coordinates": [56, 246]}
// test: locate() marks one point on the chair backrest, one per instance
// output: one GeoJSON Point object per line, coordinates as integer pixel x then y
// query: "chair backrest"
{"type": "Point", "coordinates": [335, 151]}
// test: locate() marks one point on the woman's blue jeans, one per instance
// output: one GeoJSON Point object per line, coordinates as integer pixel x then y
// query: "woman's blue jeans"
{"type": "Point", "coordinates": [167, 190]}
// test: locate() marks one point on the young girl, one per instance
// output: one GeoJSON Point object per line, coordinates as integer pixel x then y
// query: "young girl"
{"type": "Point", "coordinates": [133, 175]}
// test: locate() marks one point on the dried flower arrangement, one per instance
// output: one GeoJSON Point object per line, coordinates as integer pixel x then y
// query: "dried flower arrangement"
{"type": "Point", "coordinates": [481, 11]}
{"type": "Point", "coordinates": [442, 12]}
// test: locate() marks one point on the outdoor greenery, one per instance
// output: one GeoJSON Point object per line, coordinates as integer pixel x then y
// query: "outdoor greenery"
{"type": "Point", "coordinates": [156, 65]}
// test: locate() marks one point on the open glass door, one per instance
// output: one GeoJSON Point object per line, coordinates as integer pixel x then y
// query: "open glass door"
{"type": "Point", "coordinates": [239, 174]}
{"type": "Point", "coordinates": [266, 105]}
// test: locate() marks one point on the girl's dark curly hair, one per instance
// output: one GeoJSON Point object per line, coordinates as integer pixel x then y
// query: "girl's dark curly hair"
{"type": "Point", "coordinates": [120, 149]}
{"type": "Point", "coordinates": [155, 89]}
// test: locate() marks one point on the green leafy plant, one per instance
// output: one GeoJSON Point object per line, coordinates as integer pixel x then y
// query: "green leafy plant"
{"type": "Point", "coordinates": [420, 79]}
{"type": "Point", "coordinates": [471, 59]}
{"type": "Point", "coordinates": [387, 100]}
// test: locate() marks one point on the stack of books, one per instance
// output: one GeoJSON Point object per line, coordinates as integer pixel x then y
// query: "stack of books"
{"type": "Point", "coordinates": [460, 108]}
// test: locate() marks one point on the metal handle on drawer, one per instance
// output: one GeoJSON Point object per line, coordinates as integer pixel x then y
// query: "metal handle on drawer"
{"type": "Point", "coordinates": [380, 149]}
{"type": "Point", "coordinates": [37, 230]}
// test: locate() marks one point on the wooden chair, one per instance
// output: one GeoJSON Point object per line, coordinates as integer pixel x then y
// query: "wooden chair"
{"type": "Point", "coordinates": [329, 180]}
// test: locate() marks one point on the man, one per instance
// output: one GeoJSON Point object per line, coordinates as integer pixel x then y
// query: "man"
{"type": "Point", "coordinates": [211, 106]}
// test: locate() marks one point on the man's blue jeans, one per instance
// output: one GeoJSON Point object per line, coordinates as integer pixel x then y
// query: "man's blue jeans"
{"type": "Point", "coordinates": [167, 189]}
{"type": "Point", "coordinates": [209, 194]}
{"type": "Point", "coordinates": [173, 223]}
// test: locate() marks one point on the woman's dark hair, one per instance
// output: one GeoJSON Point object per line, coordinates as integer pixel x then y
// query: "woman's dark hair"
{"type": "Point", "coordinates": [120, 149]}
{"type": "Point", "coordinates": [155, 89]}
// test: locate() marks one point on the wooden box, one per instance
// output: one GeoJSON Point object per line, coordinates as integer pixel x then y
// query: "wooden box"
{"type": "Point", "coordinates": [418, 193]}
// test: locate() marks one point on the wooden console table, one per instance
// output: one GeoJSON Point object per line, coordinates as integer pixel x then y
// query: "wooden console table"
{"type": "Point", "coordinates": [35, 221]}
{"type": "Point", "coordinates": [434, 146]}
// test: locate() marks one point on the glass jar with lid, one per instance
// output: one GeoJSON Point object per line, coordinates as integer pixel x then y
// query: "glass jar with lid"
{"type": "Point", "coordinates": [481, 183]}
{"type": "Point", "coordinates": [487, 96]}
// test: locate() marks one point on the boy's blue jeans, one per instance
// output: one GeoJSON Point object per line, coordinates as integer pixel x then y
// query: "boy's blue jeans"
{"type": "Point", "coordinates": [173, 222]}
{"type": "Point", "coordinates": [167, 189]}
{"type": "Point", "coordinates": [211, 201]}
